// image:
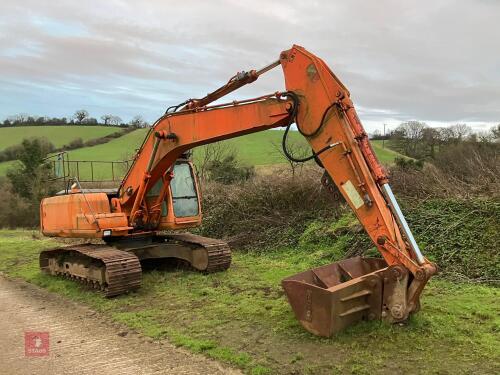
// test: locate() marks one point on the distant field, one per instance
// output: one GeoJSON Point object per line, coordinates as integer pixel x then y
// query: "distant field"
{"type": "Point", "coordinates": [121, 148]}
{"type": "Point", "coordinates": [385, 154]}
{"type": "Point", "coordinates": [259, 149]}
{"type": "Point", "coordinates": [58, 135]}
{"type": "Point", "coordinates": [253, 149]}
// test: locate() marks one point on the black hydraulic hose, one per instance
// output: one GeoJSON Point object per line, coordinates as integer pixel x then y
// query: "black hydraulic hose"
{"type": "Point", "coordinates": [294, 118]}
{"type": "Point", "coordinates": [175, 107]}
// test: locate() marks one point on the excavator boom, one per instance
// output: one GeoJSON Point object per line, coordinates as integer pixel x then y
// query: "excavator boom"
{"type": "Point", "coordinates": [328, 298]}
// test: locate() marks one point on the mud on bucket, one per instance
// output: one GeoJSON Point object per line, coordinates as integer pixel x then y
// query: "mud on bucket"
{"type": "Point", "coordinates": [327, 299]}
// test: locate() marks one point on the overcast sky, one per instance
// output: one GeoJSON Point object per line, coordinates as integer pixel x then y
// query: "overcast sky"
{"type": "Point", "coordinates": [436, 61]}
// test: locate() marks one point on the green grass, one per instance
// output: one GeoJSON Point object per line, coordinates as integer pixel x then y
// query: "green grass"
{"type": "Point", "coordinates": [385, 154]}
{"type": "Point", "coordinates": [121, 148]}
{"type": "Point", "coordinates": [262, 148]}
{"type": "Point", "coordinates": [258, 149]}
{"type": "Point", "coordinates": [252, 149]}
{"type": "Point", "coordinates": [241, 317]}
{"type": "Point", "coordinates": [58, 135]}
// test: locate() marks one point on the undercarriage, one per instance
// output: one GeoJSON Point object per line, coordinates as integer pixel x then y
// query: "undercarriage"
{"type": "Point", "coordinates": [115, 268]}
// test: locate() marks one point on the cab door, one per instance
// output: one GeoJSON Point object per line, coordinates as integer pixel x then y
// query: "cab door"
{"type": "Point", "coordinates": [182, 206]}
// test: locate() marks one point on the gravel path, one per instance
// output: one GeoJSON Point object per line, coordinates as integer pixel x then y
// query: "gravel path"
{"type": "Point", "coordinates": [81, 340]}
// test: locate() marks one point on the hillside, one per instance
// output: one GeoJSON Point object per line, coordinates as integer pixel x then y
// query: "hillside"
{"type": "Point", "coordinates": [252, 149]}
{"type": "Point", "coordinates": [58, 135]}
{"type": "Point", "coordinates": [257, 149]}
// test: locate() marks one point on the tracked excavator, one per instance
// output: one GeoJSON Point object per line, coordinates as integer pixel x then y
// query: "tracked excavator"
{"type": "Point", "coordinates": [160, 193]}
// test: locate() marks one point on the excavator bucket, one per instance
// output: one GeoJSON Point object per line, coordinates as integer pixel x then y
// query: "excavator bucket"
{"type": "Point", "coordinates": [327, 299]}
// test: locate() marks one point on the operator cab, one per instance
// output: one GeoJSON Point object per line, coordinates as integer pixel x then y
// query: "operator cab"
{"type": "Point", "coordinates": [181, 207]}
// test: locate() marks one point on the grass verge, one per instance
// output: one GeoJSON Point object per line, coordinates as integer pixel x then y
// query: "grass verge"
{"type": "Point", "coordinates": [241, 317]}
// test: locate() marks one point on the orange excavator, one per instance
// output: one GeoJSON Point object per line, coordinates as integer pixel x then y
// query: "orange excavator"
{"type": "Point", "coordinates": [160, 192]}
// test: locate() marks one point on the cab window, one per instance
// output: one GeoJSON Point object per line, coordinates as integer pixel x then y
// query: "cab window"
{"type": "Point", "coordinates": [155, 192]}
{"type": "Point", "coordinates": [184, 191]}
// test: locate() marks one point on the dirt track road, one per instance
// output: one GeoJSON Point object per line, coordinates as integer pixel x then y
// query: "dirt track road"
{"type": "Point", "coordinates": [81, 341]}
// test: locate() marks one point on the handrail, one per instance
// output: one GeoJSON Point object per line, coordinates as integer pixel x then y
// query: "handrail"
{"type": "Point", "coordinates": [69, 168]}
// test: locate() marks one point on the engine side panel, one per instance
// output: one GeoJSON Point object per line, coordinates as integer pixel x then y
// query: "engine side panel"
{"type": "Point", "coordinates": [79, 215]}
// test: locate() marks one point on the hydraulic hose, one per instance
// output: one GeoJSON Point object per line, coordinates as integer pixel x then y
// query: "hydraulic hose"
{"type": "Point", "coordinates": [294, 119]}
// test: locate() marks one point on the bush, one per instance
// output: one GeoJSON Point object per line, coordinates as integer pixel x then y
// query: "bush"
{"type": "Point", "coordinates": [74, 144]}
{"type": "Point", "coordinates": [408, 164]}
{"type": "Point", "coordinates": [228, 170]}
{"type": "Point", "coordinates": [15, 211]}
{"type": "Point", "coordinates": [30, 178]}
{"type": "Point", "coordinates": [471, 163]}
{"type": "Point", "coordinates": [266, 211]}
{"type": "Point", "coordinates": [10, 153]}
{"type": "Point", "coordinates": [107, 138]}
{"type": "Point", "coordinates": [27, 183]}
{"type": "Point", "coordinates": [276, 211]}
{"type": "Point", "coordinates": [461, 236]}
{"type": "Point", "coordinates": [461, 171]}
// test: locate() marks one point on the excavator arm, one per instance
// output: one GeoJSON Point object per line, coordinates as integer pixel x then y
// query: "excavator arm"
{"type": "Point", "coordinates": [320, 106]}
{"type": "Point", "coordinates": [325, 299]}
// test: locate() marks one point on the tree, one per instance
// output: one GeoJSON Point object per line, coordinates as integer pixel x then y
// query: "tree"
{"type": "Point", "coordinates": [430, 139]}
{"type": "Point", "coordinates": [106, 119]}
{"type": "Point", "coordinates": [377, 134]}
{"type": "Point", "coordinates": [115, 120]}
{"type": "Point", "coordinates": [90, 121]}
{"type": "Point", "coordinates": [31, 179]}
{"type": "Point", "coordinates": [446, 135]}
{"type": "Point", "coordinates": [460, 132]}
{"type": "Point", "coordinates": [20, 118]}
{"type": "Point", "coordinates": [80, 115]}
{"type": "Point", "coordinates": [409, 135]}
{"type": "Point", "coordinates": [137, 122]}
{"type": "Point", "coordinates": [496, 132]}
{"type": "Point", "coordinates": [41, 120]}
{"type": "Point", "coordinates": [211, 154]}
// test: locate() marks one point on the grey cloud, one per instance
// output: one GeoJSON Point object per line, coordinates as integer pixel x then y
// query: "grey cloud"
{"type": "Point", "coordinates": [436, 61]}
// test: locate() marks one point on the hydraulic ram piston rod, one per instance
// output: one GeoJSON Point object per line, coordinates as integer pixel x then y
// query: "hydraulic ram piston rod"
{"type": "Point", "coordinates": [267, 68]}
{"type": "Point", "coordinates": [394, 206]}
